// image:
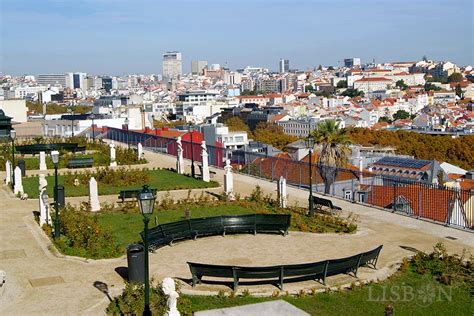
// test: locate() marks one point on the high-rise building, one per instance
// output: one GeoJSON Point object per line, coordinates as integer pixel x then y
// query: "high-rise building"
{"type": "Point", "coordinates": [284, 65]}
{"type": "Point", "coordinates": [51, 80]}
{"type": "Point", "coordinates": [172, 67]}
{"type": "Point", "coordinates": [351, 62]}
{"type": "Point", "coordinates": [197, 66]}
{"type": "Point", "coordinates": [76, 80]}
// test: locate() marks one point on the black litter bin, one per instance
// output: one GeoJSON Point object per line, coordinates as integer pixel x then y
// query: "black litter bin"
{"type": "Point", "coordinates": [61, 196]}
{"type": "Point", "coordinates": [22, 166]}
{"type": "Point", "coordinates": [136, 263]}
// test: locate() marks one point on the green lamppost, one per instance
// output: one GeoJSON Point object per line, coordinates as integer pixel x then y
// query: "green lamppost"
{"type": "Point", "coordinates": [92, 116]}
{"type": "Point", "coordinates": [55, 159]}
{"type": "Point", "coordinates": [12, 137]}
{"type": "Point", "coordinates": [310, 146]}
{"type": "Point", "coordinates": [146, 202]}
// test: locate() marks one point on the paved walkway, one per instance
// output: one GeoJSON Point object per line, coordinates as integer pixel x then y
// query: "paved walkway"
{"type": "Point", "coordinates": [39, 282]}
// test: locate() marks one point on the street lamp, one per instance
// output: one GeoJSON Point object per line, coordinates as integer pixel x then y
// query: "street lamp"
{"type": "Point", "coordinates": [146, 202]}
{"type": "Point", "coordinates": [72, 120]}
{"type": "Point", "coordinates": [12, 137]}
{"type": "Point", "coordinates": [55, 159]}
{"type": "Point", "coordinates": [310, 146]}
{"type": "Point", "coordinates": [191, 130]}
{"type": "Point", "coordinates": [92, 116]}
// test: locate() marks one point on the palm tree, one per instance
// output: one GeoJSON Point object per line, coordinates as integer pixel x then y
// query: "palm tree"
{"type": "Point", "coordinates": [334, 150]}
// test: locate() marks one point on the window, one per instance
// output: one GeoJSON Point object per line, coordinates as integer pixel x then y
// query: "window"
{"type": "Point", "coordinates": [348, 194]}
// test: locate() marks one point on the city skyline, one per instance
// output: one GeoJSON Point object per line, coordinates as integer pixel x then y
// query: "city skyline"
{"type": "Point", "coordinates": [119, 37]}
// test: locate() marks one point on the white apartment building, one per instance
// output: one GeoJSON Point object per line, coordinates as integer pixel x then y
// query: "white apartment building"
{"type": "Point", "coordinates": [16, 109]}
{"type": "Point", "coordinates": [370, 84]}
{"type": "Point", "coordinates": [51, 80]}
{"type": "Point", "coordinates": [172, 65]}
{"type": "Point", "coordinates": [299, 127]}
{"type": "Point", "coordinates": [219, 132]}
{"type": "Point", "coordinates": [23, 91]}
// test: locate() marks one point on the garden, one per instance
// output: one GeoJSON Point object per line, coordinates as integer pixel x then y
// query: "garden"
{"type": "Point", "coordinates": [106, 234]}
{"type": "Point", "coordinates": [433, 283]}
{"type": "Point", "coordinates": [95, 149]}
{"type": "Point", "coordinates": [113, 180]}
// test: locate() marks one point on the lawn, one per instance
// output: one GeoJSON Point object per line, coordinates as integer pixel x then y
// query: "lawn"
{"type": "Point", "coordinates": [163, 180]}
{"type": "Point", "coordinates": [125, 227]}
{"type": "Point", "coordinates": [405, 291]}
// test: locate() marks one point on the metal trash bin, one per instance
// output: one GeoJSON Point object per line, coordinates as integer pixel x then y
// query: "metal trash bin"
{"type": "Point", "coordinates": [61, 198]}
{"type": "Point", "coordinates": [21, 164]}
{"type": "Point", "coordinates": [136, 263]}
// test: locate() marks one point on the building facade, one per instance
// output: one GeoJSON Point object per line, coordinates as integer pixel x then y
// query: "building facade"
{"type": "Point", "coordinates": [197, 66]}
{"type": "Point", "coordinates": [172, 65]}
{"type": "Point", "coordinates": [284, 65]}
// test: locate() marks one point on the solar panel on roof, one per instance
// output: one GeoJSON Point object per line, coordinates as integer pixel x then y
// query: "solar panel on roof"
{"type": "Point", "coordinates": [403, 162]}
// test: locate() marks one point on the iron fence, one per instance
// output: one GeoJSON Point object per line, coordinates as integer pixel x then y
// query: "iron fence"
{"type": "Point", "coordinates": [440, 204]}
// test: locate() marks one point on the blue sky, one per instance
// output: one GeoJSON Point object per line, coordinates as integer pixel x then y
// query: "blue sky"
{"type": "Point", "coordinates": [129, 36]}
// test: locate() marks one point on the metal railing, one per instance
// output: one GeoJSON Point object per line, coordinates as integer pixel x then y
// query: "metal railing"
{"type": "Point", "coordinates": [449, 206]}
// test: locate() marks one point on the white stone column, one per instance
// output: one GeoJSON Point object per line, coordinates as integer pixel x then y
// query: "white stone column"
{"type": "Point", "coordinates": [140, 151]}
{"type": "Point", "coordinates": [42, 158]}
{"type": "Point", "coordinates": [228, 181]}
{"type": "Point", "coordinates": [43, 201]}
{"type": "Point", "coordinates": [18, 188]}
{"type": "Point", "coordinates": [8, 172]}
{"type": "Point", "coordinates": [205, 162]}
{"type": "Point", "coordinates": [94, 195]}
{"type": "Point", "coordinates": [179, 157]}
{"type": "Point", "coordinates": [281, 189]}
{"type": "Point", "coordinates": [113, 163]}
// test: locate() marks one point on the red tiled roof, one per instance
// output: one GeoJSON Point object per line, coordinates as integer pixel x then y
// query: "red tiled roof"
{"type": "Point", "coordinates": [373, 79]}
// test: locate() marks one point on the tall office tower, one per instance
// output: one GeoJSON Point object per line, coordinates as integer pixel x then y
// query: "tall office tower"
{"type": "Point", "coordinates": [172, 67]}
{"type": "Point", "coordinates": [284, 65]}
{"type": "Point", "coordinates": [51, 80]}
{"type": "Point", "coordinates": [351, 62]}
{"type": "Point", "coordinates": [76, 80]}
{"type": "Point", "coordinates": [197, 66]}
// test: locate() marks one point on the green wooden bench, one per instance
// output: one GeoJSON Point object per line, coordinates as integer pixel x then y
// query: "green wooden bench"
{"type": "Point", "coordinates": [166, 234]}
{"type": "Point", "coordinates": [80, 163]}
{"type": "Point", "coordinates": [321, 203]}
{"type": "Point", "coordinates": [292, 272]}
{"type": "Point", "coordinates": [131, 194]}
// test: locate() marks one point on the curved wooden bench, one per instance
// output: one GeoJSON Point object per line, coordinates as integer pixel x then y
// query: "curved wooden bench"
{"type": "Point", "coordinates": [166, 234]}
{"type": "Point", "coordinates": [278, 274]}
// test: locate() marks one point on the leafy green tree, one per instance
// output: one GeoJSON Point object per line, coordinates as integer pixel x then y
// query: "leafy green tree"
{"type": "Point", "coordinates": [401, 115]}
{"type": "Point", "coordinates": [384, 119]}
{"type": "Point", "coordinates": [309, 88]}
{"type": "Point", "coordinates": [320, 67]}
{"type": "Point", "coordinates": [401, 84]}
{"type": "Point", "coordinates": [272, 134]}
{"type": "Point", "coordinates": [342, 84]}
{"type": "Point", "coordinates": [352, 93]}
{"type": "Point", "coordinates": [431, 87]}
{"type": "Point", "coordinates": [331, 68]}
{"type": "Point", "coordinates": [334, 150]}
{"type": "Point", "coordinates": [237, 124]}
{"type": "Point", "coordinates": [455, 77]}
{"type": "Point", "coordinates": [458, 90]}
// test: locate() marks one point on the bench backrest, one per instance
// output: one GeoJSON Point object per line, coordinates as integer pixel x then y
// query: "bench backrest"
{"type": "Point", "coordinates": [314, 268]}
{"type": "Point", "coordinates": [323, 202]}
{"type": "Point", "coordinates": [207, 225]}
{"type": "Point", "coordinates": [272, 221]}
{"type": "Point", "coordinates": [370, 255]}
{"type": "Point", "coordinates": [238, 222]}
{"type": "Point", "coordinates": [211, 270]}
{"type": "Point", "coordinates": [258, 272]}
{"type": "Point", "coordinates": [343, 265]}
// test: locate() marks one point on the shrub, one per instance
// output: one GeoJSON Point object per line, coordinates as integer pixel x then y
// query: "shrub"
{"type": "Point", "coordinates": [130, 302]}
{"type": "Point", "coordinates": [111, 176]}
{"type": "Point", "coordinates": [82, 234]}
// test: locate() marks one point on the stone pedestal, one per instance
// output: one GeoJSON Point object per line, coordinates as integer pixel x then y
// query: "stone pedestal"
{"type": "Point", "coordinates": [205, 162]}
{"type": "Point", "coordinates": [179, 157]}
{"type": "Point", "coordinates": [8, 172]}
{"type": "Point", "coordinates": [43, 201]}
{"type": "Point", "coordinates": [113, 162]}
{"type": "Point", "coordinates": [18, 188]}
{"type": "Point", "coordinates": [140, 151]}
{"type": "Point", "coordinates": [94, 195]}
{"type": "Point", "coordinates": [42, 164]}
{"type": "Point", "coordinates": [281, 189]}
{"type": "Point", "coordinates": [228, 181]}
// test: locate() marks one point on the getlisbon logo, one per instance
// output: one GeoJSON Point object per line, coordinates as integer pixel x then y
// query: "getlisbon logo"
{"type": "Point", "coordinates": [423, 296]}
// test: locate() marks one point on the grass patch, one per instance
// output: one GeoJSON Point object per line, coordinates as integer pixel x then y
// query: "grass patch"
{"type": "Point", "coordinates": [367, 300]}
{"type": "Point", "coordinates": [163, 180]}
{"type": "Point", "coordinates": [418, 288]}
